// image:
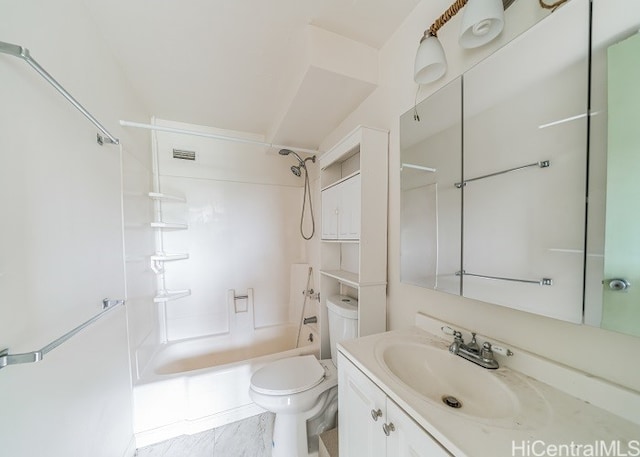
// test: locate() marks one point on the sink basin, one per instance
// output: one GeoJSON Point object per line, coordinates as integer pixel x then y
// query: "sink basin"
{"type": "Point", "coordinates": [450, 381]}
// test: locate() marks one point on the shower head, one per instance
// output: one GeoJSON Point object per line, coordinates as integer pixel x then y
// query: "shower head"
{"type": "Point", "coordinates": [286, 152]}
{"type": "Point", "coordinates": [302, 164]}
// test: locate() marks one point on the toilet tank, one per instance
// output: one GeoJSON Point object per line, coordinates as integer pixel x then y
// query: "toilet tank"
{"type": "Point", "coordinates": [343, 321]}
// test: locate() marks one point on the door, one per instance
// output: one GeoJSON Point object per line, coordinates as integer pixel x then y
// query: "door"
{"type": "Point", "coordinates": [361, 407]}
{"type": "Point", "coordinates": [330, 213]}
{"type": "Point", "coordinates": [408, 439]}
{"type": "Point", "coordinates": [349, 209]}
{"type": "Point", "coordinates": [621, 285]}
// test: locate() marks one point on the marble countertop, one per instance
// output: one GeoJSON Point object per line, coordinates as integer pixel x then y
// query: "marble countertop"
{"type": "Point", "coordinates": [549, 422]}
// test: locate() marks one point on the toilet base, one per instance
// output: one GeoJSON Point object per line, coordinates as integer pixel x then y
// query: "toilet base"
{"type": "Point", "coordinates": [290, 436]}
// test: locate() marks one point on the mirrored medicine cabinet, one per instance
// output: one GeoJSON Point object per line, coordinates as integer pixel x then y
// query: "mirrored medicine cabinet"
{"type": "Point", "coordinates": [497, 165]}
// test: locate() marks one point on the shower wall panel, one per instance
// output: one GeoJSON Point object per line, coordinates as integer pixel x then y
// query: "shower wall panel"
{"type": "Point", "coordinates": [243, 213]}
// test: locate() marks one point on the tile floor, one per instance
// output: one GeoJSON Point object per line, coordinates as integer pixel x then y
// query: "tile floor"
{"type": "Point", "coordinates": [247, 438]}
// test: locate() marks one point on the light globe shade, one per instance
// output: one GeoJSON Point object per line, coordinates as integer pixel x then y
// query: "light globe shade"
{"type": "Point", "coordinates": [482, 21]}
{"type": "Point", "coordinates": [431, 63]}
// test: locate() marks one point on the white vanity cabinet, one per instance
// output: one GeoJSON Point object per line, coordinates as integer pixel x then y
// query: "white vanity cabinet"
{"type": "Point", "coordinates": [341, 210]}
{"type": "Point", "coordinates": [372, 425]}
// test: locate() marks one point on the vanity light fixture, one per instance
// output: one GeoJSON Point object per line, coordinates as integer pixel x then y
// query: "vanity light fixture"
{"type": "Point", "coordinates": [483, 20]}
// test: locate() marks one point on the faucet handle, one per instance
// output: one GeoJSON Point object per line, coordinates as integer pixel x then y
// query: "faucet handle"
{"type": "Point", "coordinates": [449, 331]}
{"type": "Point", "coordinates": [486, 352]}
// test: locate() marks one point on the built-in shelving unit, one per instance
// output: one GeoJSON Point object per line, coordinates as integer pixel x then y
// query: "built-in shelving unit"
{"type": "Point", "coordinates": [353, 251]}
{"type": "Point", "coordinates": [160, 257]}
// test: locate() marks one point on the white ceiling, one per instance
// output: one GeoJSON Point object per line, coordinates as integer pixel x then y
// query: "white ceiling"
{"type": "Point", "coordinates": [233, 64]}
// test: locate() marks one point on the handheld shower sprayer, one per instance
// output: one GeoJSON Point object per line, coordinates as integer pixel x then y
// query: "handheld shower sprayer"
{"type": "Point", "coordinates": [297, 170]}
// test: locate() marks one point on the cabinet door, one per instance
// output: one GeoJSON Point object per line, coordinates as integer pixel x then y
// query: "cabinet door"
{"type": "Point", "coordinates": [349, 209]}
{"type": "Point", "coordinates": [407, 438]}
{"type": "Point", "coordinates": [359, 399]}
{"type": "Point", "coordinates": [330, 202]}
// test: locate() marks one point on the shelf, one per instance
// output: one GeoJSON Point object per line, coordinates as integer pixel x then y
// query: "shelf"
{"type": "Point", "coordinates": [167, 225]}
{"type": "Point", "coordinates": [345, 277]}
{"type": "Point", "coordinates": [168, 257]}
{"type": "Point", "coordinates": [170, 295]}
{"type": "Point", "coordinates": [343, 179]}
{"type": "Point", "coordinates": [166, 197]}
{"type": "Point", "coordinates": [340, 241]}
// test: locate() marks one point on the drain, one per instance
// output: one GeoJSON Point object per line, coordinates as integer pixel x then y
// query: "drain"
{"type": "Point", "coordinates": [451, 401]}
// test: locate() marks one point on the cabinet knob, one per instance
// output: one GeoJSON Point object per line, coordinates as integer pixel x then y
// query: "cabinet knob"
{"type": "Point", "coordinates": [618, 284]}
{"type": "Point", "coordinates": [388, 428]}
{"type": "Point", "coordinates": [375, 413]}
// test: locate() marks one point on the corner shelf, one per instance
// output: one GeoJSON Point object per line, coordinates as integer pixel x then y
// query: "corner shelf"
{"type": "Point", "coordinates": [166, 197]}
{"type": "Point", "coordinates": [162, 257]}
{"type": "Point", "coordinates": [167, 225]}
{"type": "Point", "coordinates": [170, 295]}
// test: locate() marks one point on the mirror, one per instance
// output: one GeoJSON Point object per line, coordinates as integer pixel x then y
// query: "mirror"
{"type": "Point", "coordinates": [552, 214]}
{"type": "Point", "coordinates": [525, 151]}
{"type": "Point", "coordinates": [612, 292]}
{"type": "Point", "coordinates": [430, 209]}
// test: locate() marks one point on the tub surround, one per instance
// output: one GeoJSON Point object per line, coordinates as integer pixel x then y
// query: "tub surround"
{"type": "Point", "coordinates": [567, 413]}
{"type": "Point", "coordinates": [189, 402]}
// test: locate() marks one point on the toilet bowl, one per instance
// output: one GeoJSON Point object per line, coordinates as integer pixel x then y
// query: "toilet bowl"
{"type": "Point", "coordinates": [303, 391]}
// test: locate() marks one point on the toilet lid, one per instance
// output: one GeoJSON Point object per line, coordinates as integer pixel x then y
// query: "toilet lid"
{"type": "Point", "coordinates": [288, 376]}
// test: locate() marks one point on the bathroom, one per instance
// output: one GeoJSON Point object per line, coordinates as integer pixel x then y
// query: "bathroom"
{"type": "Point", "coordinates": [65, 247]}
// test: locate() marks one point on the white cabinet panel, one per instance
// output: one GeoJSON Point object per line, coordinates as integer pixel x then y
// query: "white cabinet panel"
{"type": "Point", "coordinates": [341, 210]}
{"type": "Point", "coordinates": [408, 438]}
{"type": "Point", "coordinates": [349, 209]}
{"type": "Point", "coordinates": [372, 425]}
{"type": "Point", "coordinates": [360, 435]}
{"type": "Point", "coordinates": [330, 201]}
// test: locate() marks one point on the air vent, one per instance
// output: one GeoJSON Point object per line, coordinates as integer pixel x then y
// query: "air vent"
{"type": "Point", "coordinates": [184, 155]}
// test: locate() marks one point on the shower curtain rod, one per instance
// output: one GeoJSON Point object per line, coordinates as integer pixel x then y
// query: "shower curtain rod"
{"type": "Point", "coordinates": [23, 53]}
{"type": "Point", "coordinates": [214, 135]}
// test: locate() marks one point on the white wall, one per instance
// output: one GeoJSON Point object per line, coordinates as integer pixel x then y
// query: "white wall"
{"type": "Point", "coordinates": [61, 238]}
{"type": "Point", "coordinates": [243, 212]}
{"type": "Point", "coordinates": [595, 351]}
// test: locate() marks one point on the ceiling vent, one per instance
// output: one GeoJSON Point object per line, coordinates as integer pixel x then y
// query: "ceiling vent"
{"type": "Point", "coordinates": [184, 155]}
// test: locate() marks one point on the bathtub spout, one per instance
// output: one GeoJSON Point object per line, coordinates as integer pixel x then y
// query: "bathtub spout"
{"type": "Point", "coordinates": [310, 320]}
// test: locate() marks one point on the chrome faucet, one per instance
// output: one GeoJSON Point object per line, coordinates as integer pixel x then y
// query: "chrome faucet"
{"type": "Point", "coordinates": [472, 352]}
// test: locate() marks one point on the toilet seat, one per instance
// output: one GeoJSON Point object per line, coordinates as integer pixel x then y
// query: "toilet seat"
{"type": "Point", "coordinates": [287, 376]}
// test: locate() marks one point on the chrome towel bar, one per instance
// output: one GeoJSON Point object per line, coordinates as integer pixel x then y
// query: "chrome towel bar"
{"type": "Point", "coordinates": [36, 356]}
{"type": "Point", "coordinates": [541, 164]}
{"type": "Point", "coordinates": [540, 282]}
{"type": "Point", "coordinates": [23, 53]}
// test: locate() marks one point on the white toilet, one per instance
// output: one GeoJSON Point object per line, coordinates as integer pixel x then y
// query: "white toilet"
{"type": "Point", "coordinates": [303, 391]}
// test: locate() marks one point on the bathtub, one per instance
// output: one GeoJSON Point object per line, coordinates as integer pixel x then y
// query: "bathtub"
{"type": "Point", "coordinates": [195, 385]}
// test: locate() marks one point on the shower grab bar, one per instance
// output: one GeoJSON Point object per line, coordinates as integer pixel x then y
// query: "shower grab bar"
{"type": "Point", "coordinates": [36, 356]}
{"type": "Point", "coordinates": [541, 164]}
{"type": "Point", "coordinates": [540, 282]}
{"type": "Point", "coordinates": [23, 53]}
{"type": "Point", "coordinates": [240, 297]}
